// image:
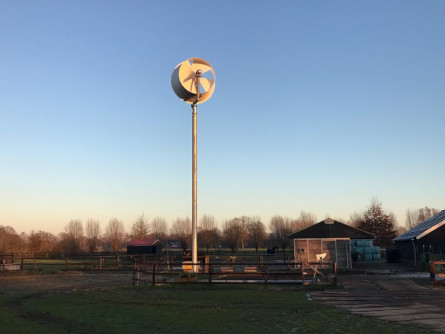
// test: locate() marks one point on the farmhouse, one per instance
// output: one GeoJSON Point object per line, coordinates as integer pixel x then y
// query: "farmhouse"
{"type": "Point", "coordinates": [426, 238]}
{"type": "Point", "coordinates": [330, 237]}
{"type": "Point", "coordinates": [144, 246]}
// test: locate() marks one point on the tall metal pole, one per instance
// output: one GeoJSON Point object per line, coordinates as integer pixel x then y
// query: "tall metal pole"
{"type": "Point", "coordinates": [194, 190]}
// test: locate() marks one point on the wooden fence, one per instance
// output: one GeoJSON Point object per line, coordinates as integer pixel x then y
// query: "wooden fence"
{"type": "Point", "coordinates": [87, 263]}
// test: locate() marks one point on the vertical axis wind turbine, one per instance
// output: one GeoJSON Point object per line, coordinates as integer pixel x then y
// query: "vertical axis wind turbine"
{"type": "Point", "coordinates": [193, 81]}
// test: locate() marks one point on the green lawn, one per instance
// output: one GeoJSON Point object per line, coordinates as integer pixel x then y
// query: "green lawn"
{"type": "Point", "coordinates": [189, 308]}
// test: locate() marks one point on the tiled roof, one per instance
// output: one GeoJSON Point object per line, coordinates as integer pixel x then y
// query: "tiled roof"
{"type": "Point", "coordinates": [424, 228]}
{"type": "Point", "coordinates": [330, 228]}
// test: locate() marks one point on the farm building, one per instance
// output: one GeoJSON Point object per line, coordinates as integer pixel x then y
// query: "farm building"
{"type": "Point", "coordinates": [330, 237]}
{"type": "Point", "coordinates": [144, 246]}
{"type": "Point", "coordinates": [426, 238]}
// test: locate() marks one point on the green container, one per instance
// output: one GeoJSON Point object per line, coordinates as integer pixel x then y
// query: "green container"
{"type": "Point", "coordinates": [367, 243]}
{"type": "Point", "coordinates": [359, 250]}
{"type": "Point", "coordinates": [375, 250]}
{"type": "Point", "coordinates": [367, 250]}
{"type": "Point", "coordinates": [359, 243]}
{"type": "Point", "coordinates": [368, 257]}
{"type": "Point", "coordinates": [376, 257]}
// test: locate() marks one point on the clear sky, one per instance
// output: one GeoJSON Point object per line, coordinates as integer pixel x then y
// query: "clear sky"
{"type": "Point", "coordinates": [319, 106]}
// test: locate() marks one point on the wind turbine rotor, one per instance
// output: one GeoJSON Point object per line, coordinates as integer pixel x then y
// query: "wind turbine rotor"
{"type": "Point", "coordinates": [193, 80]}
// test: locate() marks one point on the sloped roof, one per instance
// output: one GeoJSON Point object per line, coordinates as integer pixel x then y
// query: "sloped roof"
{"type": "Point", "coordinates": [144, 242]}
{"type": "Point", "coordinates": [424, 228]}
{"type": "Point", "coordinates": [330, 228]}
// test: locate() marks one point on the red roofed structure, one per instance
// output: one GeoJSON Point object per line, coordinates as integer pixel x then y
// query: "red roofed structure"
{"type": "Point", "coordinates": [144, 246]}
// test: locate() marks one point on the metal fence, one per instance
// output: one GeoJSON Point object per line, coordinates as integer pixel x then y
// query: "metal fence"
{"type": "Point", "coordinates": [258, 272]}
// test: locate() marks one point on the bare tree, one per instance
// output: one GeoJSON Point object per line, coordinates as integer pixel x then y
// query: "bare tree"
{"type": "Point", "coordinates": [140, 228]}
{"type": "Point", "coordinates": [243, 229]}
{"type": "Point", "coordinates": [257, 233]}
{"type": "Point", "coordinates": [182, 230]}
{"type": "Point", "coordinates": [304, 220]}
{"type": "Point", "coordinates": [35, 242]}
{"type": "Point", "coordinates": [414, 218]}
{"type": "Point", "coordinates": [400, 230]}
{"type": "Point", "coordinates": [355, 219]}
{"type": "Point", "coordinates": [235, 232]}
{"type": "Point", "coordinates": [280, 228]}
{"type": "Point", "coordinates": [72, 239]}
{"type": "Point", "coordinates": [115, 234]}
{"type": "Point", "coordinates": [92, 233]}
{"type": "Point", "coordinates": [10, 241]}
{"type": "Point", "coordinates": [159, 228]}
{"type": "Point", "coordinates": [207, 222]}
{"type": "Point", "coordinates": [42, 242]}
{"type": "Point", "coordinates": [230, 234]}
{"type": "Point", "coordinates": [207, 232]}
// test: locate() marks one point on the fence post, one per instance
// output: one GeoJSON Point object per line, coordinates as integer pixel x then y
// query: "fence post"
{"type": "Point", "coordinates": [154, 274]}
{"type": "Point", "coordinates": [265, 273]}
{"type": "Point", "coordinates": [302, 272]}
{"type": "Point", "coordinates": [335, 272]}
{"type": "Point", "coordinates": [66, 264]}
{"type": "Point", "coordinates": [134, 272]}
{"type": "Point", "coordinates": [35, 263]}
{"type": "Point", "coordinates": [210, 272]}
{"type": "Point", "coordinates": [21, 263]}
{"type": "Point", "coordinates": [433, 273]}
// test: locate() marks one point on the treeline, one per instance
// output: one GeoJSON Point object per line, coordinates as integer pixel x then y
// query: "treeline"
{"type": "Point", "coordinates": [239, 232]}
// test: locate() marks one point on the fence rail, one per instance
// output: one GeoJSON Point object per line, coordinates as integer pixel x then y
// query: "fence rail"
{"type": "Point", "coordinates": [231, 272]}
{"type": "Point", "coordinates": [151, 269]}
{"type": "Point", "coordinates": [87, 263]}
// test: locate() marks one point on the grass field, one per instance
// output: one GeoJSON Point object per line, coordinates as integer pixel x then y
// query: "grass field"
{"type": "Point", "coordinates": [189, 308]}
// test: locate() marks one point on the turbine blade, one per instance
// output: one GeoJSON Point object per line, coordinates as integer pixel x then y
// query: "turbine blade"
{"type": "Point", "coordinates": [206, 83]}
{"type": "Point", "coordinates": [189, 84]}
{"type": "Point", "coordinates": [198, 65]}
{"type": "Point", "coordinates": [186, 71]}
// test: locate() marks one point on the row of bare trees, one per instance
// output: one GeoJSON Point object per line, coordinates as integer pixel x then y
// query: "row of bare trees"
{"type": "Point", "coordinates": [239, 232]}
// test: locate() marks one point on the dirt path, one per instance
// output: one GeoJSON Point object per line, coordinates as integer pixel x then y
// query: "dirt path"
{"type": "Point", "coordinates": [391, 298]}
{"type": "Point", "coordinates": [65, 281]}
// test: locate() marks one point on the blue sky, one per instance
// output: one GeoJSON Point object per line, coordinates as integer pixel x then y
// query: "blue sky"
{"type": "Point", "coordinates": [319, 106]}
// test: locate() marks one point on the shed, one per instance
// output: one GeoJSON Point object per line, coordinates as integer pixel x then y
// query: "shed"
{"type": "Point", "coordinates": [426, 238]}
{"type": "Point", "coordinates": [144, 246]}
{"type": "Point", "coordinates": [328, 236]}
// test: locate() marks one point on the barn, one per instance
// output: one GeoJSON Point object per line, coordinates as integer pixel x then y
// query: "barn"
{"type": "Point", "coordinates": [328, 236]}
{"type": "Point", "coordinates": [144, 246]}
{"type": "Point", "coordinates": [426, 238]}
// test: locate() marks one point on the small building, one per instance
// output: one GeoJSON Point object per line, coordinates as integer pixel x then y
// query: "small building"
{"type": "Point", "coordinates": [330, 237]}
{"type": "Point", "coordinates": [144, 246]}
{"type": "Point", "coordinates": [426, 238]}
